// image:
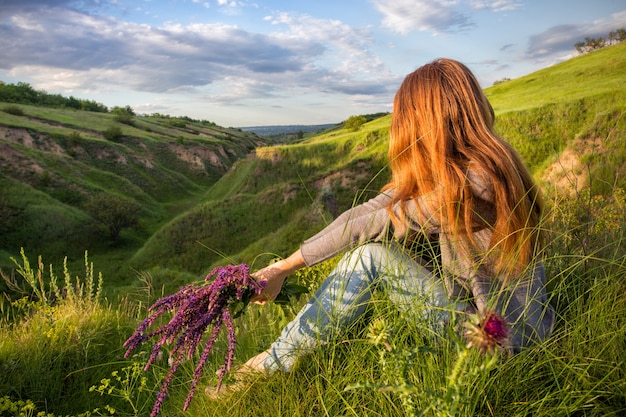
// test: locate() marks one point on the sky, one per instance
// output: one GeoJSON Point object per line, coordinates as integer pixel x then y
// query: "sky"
{"type": "Point", "coordinates": [245, 63]}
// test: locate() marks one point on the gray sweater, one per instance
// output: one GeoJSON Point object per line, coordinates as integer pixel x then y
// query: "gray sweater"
{"type": "Point", "coordinates": [522, 301]}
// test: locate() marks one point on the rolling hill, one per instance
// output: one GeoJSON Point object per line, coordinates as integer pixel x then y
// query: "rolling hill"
{"type": "Point", "coordinates": [566, 130]}
{"type": "Point", "coordinates": [210, 195]}
{"type": "Point", "coordinates": [54, 162]}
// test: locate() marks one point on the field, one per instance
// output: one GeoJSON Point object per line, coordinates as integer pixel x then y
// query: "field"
{"type": "Point", "coordinates": [62, 324]}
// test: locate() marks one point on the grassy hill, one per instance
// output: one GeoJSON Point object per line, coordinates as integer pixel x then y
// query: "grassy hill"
{"type": "Point", "coordinates": [61, 353]}
{"type": "Point", "coordinates": [267, 203]}
{"type": "Point", "coordinates": [565, 129]}
{"type": "Point", "coordinates": [54, 162]}
{"type": "Point", "coordinates": [208, 195]}
{"type": "Point", "coordinates": [569, 120]}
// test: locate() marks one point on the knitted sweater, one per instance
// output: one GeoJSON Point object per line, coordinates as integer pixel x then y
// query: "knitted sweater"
{"type": "Point", "coordinates": [522, 301]}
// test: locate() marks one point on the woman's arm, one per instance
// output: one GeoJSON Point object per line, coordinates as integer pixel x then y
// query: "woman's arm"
{"type": "Point", "coordinates": [274, 275]}
{"type": "Point", "coordinates": [352, 227]}
{"type": "Point", "coordinates": [369, 221]}
{"type": "Point", "coordinates": [366, 222]}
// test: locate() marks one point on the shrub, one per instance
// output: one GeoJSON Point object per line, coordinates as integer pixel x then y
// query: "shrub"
{"type": "Point", "coordinates": [14, 110]}
{"type": "Point", "coordinates": [126, 119]}
{"type": "Point", "coordinates": [177, 123]}
{"type": "Point", "coordinates": [354, 123]}
{"type": "Point", "coordinates": [113, 133]}
{"type": "Point", "coordinates": [124, 115]}
{"type": "Point", "coordinates": [73, 139]}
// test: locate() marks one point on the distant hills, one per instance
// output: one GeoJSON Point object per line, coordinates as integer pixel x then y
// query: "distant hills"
{"type": "Point", "coordinates": [284, 129]}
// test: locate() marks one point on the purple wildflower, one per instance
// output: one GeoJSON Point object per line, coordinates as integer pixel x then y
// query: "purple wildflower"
{"type": "Point", "coordinates": [196, 308]}
{"type": "Point", "coordinates": [488, 332]}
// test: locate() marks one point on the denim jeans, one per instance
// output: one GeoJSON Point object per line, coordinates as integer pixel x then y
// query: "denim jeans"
{"type": "Point", "coordinates": [344, 295]}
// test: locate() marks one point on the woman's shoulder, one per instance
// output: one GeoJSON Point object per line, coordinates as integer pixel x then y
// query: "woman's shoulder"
{"type": "Point", "coordinates": [480, 182]}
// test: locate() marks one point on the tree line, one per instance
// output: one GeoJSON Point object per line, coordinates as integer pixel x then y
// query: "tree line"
{"type": "Point", "coordinates": [591, 44]}
{"type": "Point", "coordinates": [24, 93]}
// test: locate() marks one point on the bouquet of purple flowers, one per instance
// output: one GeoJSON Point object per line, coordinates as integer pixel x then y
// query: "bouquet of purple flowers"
{"type": "Point", "coordinates": [197, 308]}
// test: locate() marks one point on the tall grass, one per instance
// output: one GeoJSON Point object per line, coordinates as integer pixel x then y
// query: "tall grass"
{"type": "Point", "coordinates": [57, 339]}
{"type": "Point", "coordinates": [63, 353]}
{"type": "Point", "coordinates": [580, 370]}
{"type": "Point", "coordinates": [61, 340]}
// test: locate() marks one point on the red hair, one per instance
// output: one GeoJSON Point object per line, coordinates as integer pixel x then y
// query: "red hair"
{"type": "Point", "coordinates": [442, 126]}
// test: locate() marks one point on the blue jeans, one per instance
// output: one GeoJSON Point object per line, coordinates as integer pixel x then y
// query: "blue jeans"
{"type": "Point", "coordinates": [344, 295]}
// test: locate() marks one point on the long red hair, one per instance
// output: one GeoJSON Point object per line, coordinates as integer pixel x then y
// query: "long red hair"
{"type": "Point", "coordinates": [442, 126]}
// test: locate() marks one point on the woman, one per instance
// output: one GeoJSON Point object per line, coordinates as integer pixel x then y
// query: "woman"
{"type": "Point", "coordinates": [455, 229]}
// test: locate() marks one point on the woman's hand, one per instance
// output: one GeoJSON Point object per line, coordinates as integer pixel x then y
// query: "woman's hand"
{"type": "Point", "coordinates": [274, 276]}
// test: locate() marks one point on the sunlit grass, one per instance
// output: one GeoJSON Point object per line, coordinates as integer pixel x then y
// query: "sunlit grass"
{"type": "Point", "coordinates": [52, 353]}
{"type": "Point", "coordinates": [579, 370]}
{"type": "Point", "coordinates": [569, 81]}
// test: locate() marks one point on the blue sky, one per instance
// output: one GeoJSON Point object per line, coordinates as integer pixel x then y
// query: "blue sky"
{"type": "Point", "coordinates": [248, 63]}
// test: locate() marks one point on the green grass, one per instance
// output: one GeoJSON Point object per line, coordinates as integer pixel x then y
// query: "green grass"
{"type": "Point", "coordinates": [560, 107]}
{"type": "Point", "coordinates": [592, 74]}
{"type": "Point", "coordinates": [579, 370]}
{"type": "Point", "coordinates": [52, 353]}
{"type": "Point", "coordinates": [54, 346]}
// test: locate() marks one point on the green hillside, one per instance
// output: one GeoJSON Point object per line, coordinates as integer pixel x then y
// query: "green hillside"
{"type": "Point", "coordinates": [269, 203]}
{"type": "Point", "coordinates": [569, 120]}
{"type": "Point", "coordinates": [203, 195]}
{"type": "Point", "coordinates": [57, 165]}
{"type": "Point", "coordinates": [205, 198]}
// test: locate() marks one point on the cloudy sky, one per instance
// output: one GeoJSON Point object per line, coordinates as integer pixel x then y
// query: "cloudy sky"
{"type": "Point", "coordinates": [267, 62]}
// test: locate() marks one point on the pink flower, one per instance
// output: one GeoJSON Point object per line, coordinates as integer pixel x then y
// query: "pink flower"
{"type": "Point", "coordinates": [488, 332]}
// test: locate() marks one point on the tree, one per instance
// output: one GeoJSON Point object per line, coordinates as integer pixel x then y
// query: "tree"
{"type": "Point", "coordinates": [617, 36]}
{"type": "Point", "coordinates": [26, 94]}
{"type": "Point", "coordinates": [112, 214]}
{"type": "Point", "coordinates": [123, 110]}
{"type": "Point", "coordinates": [503, 80]}
{"type": "Point", "coordinates": [124, 115]}
{"type": "Point", "coordinates": [354, 123]}
{"type": "Point", "coordinates": [73, 102]}
{"type": "Point", "coordinates": [592, 44]}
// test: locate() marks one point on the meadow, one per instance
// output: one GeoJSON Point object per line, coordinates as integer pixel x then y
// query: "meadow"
{"type": "Point", "coordinates": [62, 324]}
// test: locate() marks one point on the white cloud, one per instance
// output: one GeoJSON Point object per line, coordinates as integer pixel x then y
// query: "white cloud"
{"type": "Point", "coordinates": [230, 3]}
{"type": "Point", "coordinates": [437, 16]}
{"type": "Point", "coordinates": [496, 5]}
{"type": "Point", "coordinates": [82, 51]}
{"type": "Point", "coordinates": [290, 60]}
{"type": "Point", "coordinates": [346, 47]}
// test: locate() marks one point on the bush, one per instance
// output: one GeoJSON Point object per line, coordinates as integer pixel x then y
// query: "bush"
{"type": "Point", "coordinates": [126, 119]}
{"type": "Point", "coordinates": [73, 139]}
{"type": "Point", "coordinates": [177, 123]}
{"type": "Point", "coordinates": [354, 123]}
{"type": "Point", "coordinates": [14, 110]}
{"type": "Point", "coordinates": [124, 115]}
{"type": "Point", "coordinates": [113, 133]}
